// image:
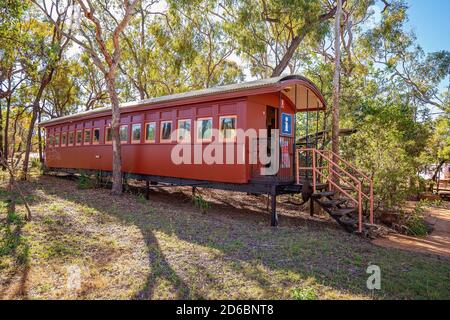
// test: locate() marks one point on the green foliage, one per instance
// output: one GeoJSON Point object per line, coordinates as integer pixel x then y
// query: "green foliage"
{"type": "Point", "coordinates": [201, 203]}
{"type": "Point", "coordinates": [36, 164]}
{"type": "Point", "coordinates": [85, 181]}
{"type": "Point", "coordinates": [12, 242]}
{"type": "Point", "coordinates": [415, 222]}
{"type": "Point", "coordinates": [386, 146]}
{"type": "Point", "coordinates": [14, 218]}
{"type": "Point", "coordinates": [307, 293]}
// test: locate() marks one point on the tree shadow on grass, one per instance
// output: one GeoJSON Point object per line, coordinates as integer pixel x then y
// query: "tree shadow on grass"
{"type": "Point", "coordinates": [15, 246]}
{"type": "Point", "coordinates": [271, 258]}
{"type": "Point", "coordinates": [161, 270]}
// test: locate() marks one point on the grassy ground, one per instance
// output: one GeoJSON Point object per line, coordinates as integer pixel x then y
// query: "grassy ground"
{"type": "Point", "coordinates": [164, 248]}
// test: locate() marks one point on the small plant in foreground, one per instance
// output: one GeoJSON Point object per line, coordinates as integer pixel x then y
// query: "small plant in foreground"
{"type": "Point", "coordinates": [201, 203]}
{"type": "Point", "coordinates": [306, 293]}
{"type": "Point", "coordinates": [431, 203]}
{"type": "Point", "coordinates": [37, 165]}
{"type": "Point", "coordinates": [85, 182]}
{"type": "Point", "coordinates": [415, 223]}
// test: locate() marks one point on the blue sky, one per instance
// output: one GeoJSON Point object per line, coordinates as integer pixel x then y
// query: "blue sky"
{"type": "Point", "coordinates": [430, 20]}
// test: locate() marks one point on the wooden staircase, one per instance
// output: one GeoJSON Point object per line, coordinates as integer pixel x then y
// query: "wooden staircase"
{"type": "Point", "coordinates": [338, 187]}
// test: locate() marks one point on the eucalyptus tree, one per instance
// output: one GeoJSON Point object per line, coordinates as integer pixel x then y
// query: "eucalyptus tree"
{"type": "Point", "coordinates": [98, 33]}
{"type": "Point", "coordinates": [51, 48]}
{"type": "Point", "coordinates": [174, 46]}
{"type": "Point", "coordinates": [11, 72]}
{"type": "Point", "coordinates": [268, 33]}
{"type": "Point", "coordinates": [91, 84]}
{"type": "Point", "coordinates": [211, 50]}
{"type": "Point", "coordinates": [62, 96]}
{"type": "Point", "coordinates": [336, 81]}
{"type": "Point", "coordinates": [409, 69]}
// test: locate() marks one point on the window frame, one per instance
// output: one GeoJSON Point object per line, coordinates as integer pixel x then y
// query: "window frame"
{"type": "Point", "coordinates": [93, 130]}
{"type": "Point", "coordinates": [76, 137]}
{"type": "Point", "coordinates": [128, 133]}
{"type": "Point", "coordinates": [190, 131]}
{"type": "Point", "coordinates": [197, 121]}
{"type": "Point", "coordinates": [140, 133]}
{"type": "Point", "coordinates": [161, 126]}
{"type": "Point", "coordinates": [84, 136]}
{"type": "Point", "coordinates": [64, 134]}
{"type": "Point", "coordinates": [68, 139]}
{"type": "Point", "coordinates": [57, 145]}
{"type": "Point", "coordinates": [106, 135]}
{"type": "Point", "coordinates": [51, 140]}
{"type": "Point", "coordinates": [145, 132]}
{"type": "Point", "coordinates": [223, 139]}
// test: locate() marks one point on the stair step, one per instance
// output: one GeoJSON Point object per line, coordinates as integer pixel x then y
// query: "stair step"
{"type": "Point", "coordinates": [342, 212]}
{"type": "Point", "coordinates": [321, 186]}
{"type": "Point", "coordinates": [332, 203]}
{"type": "Point", "coordinates": [348, 222]}
{"type": "Point", "coordinates": [323, 194]}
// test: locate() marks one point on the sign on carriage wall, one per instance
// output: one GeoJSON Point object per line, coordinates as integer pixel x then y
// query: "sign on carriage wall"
{"type": "Point", "coordinates": [286, 124]}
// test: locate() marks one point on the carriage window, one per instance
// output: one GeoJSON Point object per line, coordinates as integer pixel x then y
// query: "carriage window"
{"type": "Point", "coordinates": [136, 133]}
{"type": "Point", "coordinates": [108, 135]}
{"type": "Point", "coordinates": [71, 138]}
{"type": "Point", "coordinates": [204, 129]}
{"type": "Point", "coordinates": [96, 136]}
{"type": "Point", "coordinates": [123, 133]}
{"type": "Point", "coordinates": [228, 128]}
{"type": "Point", "coordinates": [63, 139]}
{"type": "Point", "coordinates": [57, 140]}
{"type": "Point", "coordinates": [79, 137]}
{"type": "Point", "coordinates": [184, 131]}
{"type": "Point", "coordinates": [166, 131]}
{"type": "Point", "coordinates": [150, 129]}
{"type": "Point", "coordinates": [87, 136]}
{"type": "Point", "coordinates": [50, 141]}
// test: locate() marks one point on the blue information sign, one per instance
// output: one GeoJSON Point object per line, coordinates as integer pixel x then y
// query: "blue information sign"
{"type": "Point", "coordinates": [286, 124]}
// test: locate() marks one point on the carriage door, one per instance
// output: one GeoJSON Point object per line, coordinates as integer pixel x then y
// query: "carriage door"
{"type": "Point", "coordinates": [286, 173]}
{"type": "Point", "coordinates": [271, 123]}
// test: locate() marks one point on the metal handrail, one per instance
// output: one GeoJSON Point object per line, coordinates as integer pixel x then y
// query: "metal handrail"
{"type": "Point", "coordinates": [357, 187]}
{"type": "Point", "coordinates": [365, 177]}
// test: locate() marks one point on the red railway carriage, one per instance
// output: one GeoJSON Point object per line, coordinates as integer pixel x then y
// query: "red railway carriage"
{"type": "Point", "coordinates": [83, 141]}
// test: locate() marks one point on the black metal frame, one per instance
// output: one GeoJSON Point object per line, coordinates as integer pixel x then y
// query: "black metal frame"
{"type": "Point", "coordinates": [270, 186]}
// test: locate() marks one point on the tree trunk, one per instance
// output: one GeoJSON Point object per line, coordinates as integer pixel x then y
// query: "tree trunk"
{"type": "Point", "coordinates": [41, 158]}
{"type": "Point", "coordinates": [6, 142]}
{"type": "Point", "coordinates": [29, 141]}
{"type": "Point", "coordinates": [438, 169]}
{"type": "Point", "coordinates": [115, 125]}
{"type": "Point", "coordinates": [336, 78]}
{"type": "Point", "coordinates": [36, 105]}
{"type": "Point", "coordinates": [1, 131]}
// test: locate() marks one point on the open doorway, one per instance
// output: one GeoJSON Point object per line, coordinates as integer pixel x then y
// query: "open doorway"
{"type": "Point", "coordinates": [271, 123]}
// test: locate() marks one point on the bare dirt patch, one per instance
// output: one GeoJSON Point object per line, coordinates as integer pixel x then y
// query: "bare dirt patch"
{"type": "Point", "coordinates": [436, 243]}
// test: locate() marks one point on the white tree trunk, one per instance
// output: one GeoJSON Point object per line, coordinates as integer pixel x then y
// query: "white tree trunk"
{"type": "Point", "coordinates": [336, 78]}
{"type": "Point", "coordinates": [115, 125]}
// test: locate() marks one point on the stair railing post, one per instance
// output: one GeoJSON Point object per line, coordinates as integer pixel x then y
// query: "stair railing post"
{"type": "Point", "coordinates": [314, 169]}
{"type": "Point", "coordinates": [297, 159]}
{"type": "Point", "coordinates": [371, 201]}
{"type": "Point", "coordinates": [329, 174]}
{"type": "Point", "coordinates": [359, 207]}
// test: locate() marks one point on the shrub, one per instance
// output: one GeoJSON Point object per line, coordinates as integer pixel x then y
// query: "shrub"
{"type": "Point", "coordinates": [201, 203]}
{"type": "Point", "coordinates": [85, 182]}
{"type": "Point", "coordinates": [306, 293]}
{"type": "Point", "coordinates": [37, 165]}
{"type": "Point", "coordinates": [414, 222]}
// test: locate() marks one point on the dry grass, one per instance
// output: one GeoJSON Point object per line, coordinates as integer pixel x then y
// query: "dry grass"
{"type": "Point", "coordinates": [126, 247]}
